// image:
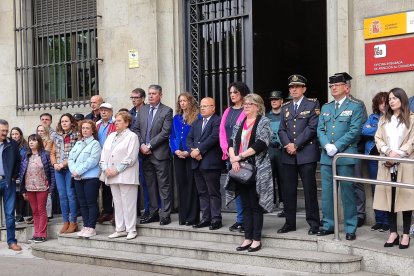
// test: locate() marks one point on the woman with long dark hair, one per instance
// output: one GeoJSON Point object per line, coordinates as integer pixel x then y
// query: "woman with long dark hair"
{"type": "Point", "coordinates": [37, 180]}
{"type": "Point", "coordinates": [395, 138]}
{"type": "Point", "coordinates": [65, 138]}
{"type": "Point", "coordinates": [17, 135]}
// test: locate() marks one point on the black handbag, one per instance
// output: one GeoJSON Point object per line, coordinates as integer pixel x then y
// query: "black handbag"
{"type": "Point", "coordinates": [246, 175]}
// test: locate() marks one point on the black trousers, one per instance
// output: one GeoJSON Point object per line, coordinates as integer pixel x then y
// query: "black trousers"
{"type": "Point", "coordinates": [307, 174]}
{"type": "Point", "coordinates": [275, 156]}
{"type": "Point", "coordinates": [208, 188]}
{"type": "Point", "coordinates": [106, 199]}
{"type": "Point", "coordinates": [392, 216]}
{"type": "Point", "coordinates": [188, 204]}
{"type": "Point", "coordinates": [20, 205]}
{"type": "Point", "coordinates": [253, 212]}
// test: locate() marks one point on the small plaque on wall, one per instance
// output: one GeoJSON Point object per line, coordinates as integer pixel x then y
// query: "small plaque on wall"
{"type": "Point", "coordinates": [133, 59]}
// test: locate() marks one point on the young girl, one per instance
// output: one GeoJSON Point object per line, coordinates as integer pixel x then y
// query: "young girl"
{"type": "Point", "coordinates": [37, 179]}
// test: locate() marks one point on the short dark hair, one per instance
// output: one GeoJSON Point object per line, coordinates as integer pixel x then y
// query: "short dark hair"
{"type": "Point", "coordinates": [241, 87]}
{"type": "Point", "coordinates": [4, 122]}
{"type": "Point", "coordinates": [46, 114]}
{"type": "Point", "coordinates": [156, 87]}
{"type": "Point", "coordinates": [379, 98]}
{"type": "Point", "coordinates": [36, 137]}
{"type": "Point", "coordinates": [139, 91]}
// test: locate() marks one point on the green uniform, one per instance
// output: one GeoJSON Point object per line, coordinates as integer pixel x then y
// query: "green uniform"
{"type": "Point", "coordinates": [341, 128]}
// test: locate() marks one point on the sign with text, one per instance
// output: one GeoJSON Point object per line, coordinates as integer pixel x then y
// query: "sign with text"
{"type": "Point", "coordinates": [389, 25]}
{"type": "Point", "coordinates": [389, 56]}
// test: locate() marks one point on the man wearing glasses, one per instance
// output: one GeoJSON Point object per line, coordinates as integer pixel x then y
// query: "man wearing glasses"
{"type": "Point", "coordinates": [138, 101]}
{"type": "Point", "coordinates": [339, 130]}
{"type": "Point", "coordinates": [203, 140]}
{"type": "Point", "coordinates": [95, 115]}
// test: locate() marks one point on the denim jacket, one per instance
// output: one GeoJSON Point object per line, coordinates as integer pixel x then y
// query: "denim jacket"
{"type": "Point", "coordinates": [84, 158]}
{"type": "Point", "coordinates": [368, 130]}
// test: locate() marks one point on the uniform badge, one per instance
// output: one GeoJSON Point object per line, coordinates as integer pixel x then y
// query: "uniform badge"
{"type": "Point", "coordinates": [304, 112]}
{"type": "Point", "coordinates": [287, 114]}
{"type": "Point", "coordinates": [294, 78]}
{"type": "Point", "coordinates": [346, 113]}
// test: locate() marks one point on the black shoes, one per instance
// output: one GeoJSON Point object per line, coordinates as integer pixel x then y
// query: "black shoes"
{"type": "Point", "coordinates": [281, 214]}
{"type": "Point", "coordinates": [165, 221]}
{"type": "Point", "coordinates": [215, 225]}
{"type": "Point", "coordinates": [237, 227]}
{"type": "Point", "coordinates": [405, 246]}
{"type": "Point", "coordinates": [313, 230]}
{"type": "Point", "coordinates": [242, 248]}
{"type": "Point", "coordinates": [324, 232]}
{"type": "Point", "coordinates": [376, 226]}
{"type": "Point", "coordinates": [202, 224]}
{"type": "Point", "coordinates": [189, 223]}
{"type": "Point", "coordinates": [154, 217]}
{"type": "Point", "coordinates": [254, 249]}
{"type": "Point", "coordinates": [395, 242]}
{"type": "Point", "coordinates": [286, 228]}
{"type": "Point", "coordinates": [350, 236]}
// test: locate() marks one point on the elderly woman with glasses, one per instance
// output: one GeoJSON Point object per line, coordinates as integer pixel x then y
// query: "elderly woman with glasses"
{"type": "Point", "coordinates": [249, 142]}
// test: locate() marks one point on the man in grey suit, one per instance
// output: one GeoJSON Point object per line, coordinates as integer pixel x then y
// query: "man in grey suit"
{"type": "Point", "coordinates": [153, 127]}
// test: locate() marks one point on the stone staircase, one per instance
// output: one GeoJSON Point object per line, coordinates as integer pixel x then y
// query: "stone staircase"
{"type": "Point", "coordinates": [181, 250]}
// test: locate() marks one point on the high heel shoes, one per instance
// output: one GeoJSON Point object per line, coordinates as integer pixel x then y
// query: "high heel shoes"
{"type": "Point", "coordinates": [405, 246]}
{"type": "Point", "coordinates": [395, 242]}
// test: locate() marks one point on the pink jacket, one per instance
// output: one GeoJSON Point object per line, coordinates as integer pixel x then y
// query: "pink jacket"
{"type": "Point", "coordinates": [223, 137]}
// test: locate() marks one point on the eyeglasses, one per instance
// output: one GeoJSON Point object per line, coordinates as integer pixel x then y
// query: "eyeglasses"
{"type": "Point", "coordinates": [135, 98]}
{"type": "Point", "coordinates": [249, 104]}
{"type": "Point", "coordinates": [336, 85]}
{"type": "Point", "coordinates": [205, 106]}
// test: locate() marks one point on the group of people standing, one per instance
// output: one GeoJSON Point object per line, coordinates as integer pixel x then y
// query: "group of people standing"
{"type": "Point", "coordinates": [134, 147]}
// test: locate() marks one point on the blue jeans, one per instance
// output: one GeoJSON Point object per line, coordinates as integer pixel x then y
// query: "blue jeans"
{"type": "Point", "coordinates": [237, 201]}
{"type": "Point", "coordinates": [9, 197]}
{"type": "Point", "coordinates": [87, 191]}
{"type": "Point", "coordinates": [380, 216]}
{"type": "Point", "coordinates": [67, 196]}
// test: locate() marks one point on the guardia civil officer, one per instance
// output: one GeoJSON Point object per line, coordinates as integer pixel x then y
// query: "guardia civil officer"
{"type": "Point", "coordinates": [275, 147]}
{"type": "Point", "coordinates": [297, 133]}
{"type": "Point", "coordinates": [339, 130]}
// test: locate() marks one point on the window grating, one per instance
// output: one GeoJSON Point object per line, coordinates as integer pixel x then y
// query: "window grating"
{"type": "Point", "coordinates": [56, 53]}
{"type": "Point", "coordinates": [216, 54]}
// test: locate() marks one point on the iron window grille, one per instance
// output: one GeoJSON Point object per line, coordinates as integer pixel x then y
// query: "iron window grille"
{"type": "Point", "coordinates": [56, 53]}
{"type": "Point", "coordinates": [216, 54]}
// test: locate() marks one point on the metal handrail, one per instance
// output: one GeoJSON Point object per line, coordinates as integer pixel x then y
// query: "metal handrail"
{"type": "Point", "coordinates": [337, 178]}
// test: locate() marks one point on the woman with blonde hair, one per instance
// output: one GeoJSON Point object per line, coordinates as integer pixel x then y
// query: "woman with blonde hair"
{"type": "Point", "coordinates": [186, 114]}
{"type": "Point", "coordinates": [249, 142]}
{"type": "Point", "coordinates": [119, 164]}
{"type": "Point", "coordinates": [44, 132]}
{"type": "Point", "coordinates": [395, 138]}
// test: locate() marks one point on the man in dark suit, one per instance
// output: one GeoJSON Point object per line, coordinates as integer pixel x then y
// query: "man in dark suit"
{"type": "Point", "coordinates": [297, 133]}
{"type": "Point", "coordinates": [203, 140]}
{"type": "Point", "coordinates": [153, 127]}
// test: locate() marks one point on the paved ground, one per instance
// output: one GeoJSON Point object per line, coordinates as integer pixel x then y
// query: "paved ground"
{"type": "Point", "coordinates": [24, 264]}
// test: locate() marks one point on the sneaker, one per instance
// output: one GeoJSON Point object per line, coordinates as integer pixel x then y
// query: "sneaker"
{"type": "Point", "coordinates": [19, 220]}
{"type": "Point", "coordinates": [118, 235]}
{"type": "Point", "coordinates": [376, 226]}
{"type": "Point", "coordinates": [131, 235]}
{"type": "Point", "coordinates": [32, 239]}
{"type": "Point", "coordinates": [89, 232]}
{"type": "Point", "coordinates": [384, 228]}
{"type": "Point", "coordinates": [237, 227]}
{"type": "Point", "coordinates": [39, 239]}
{"type": "Point", "coordinates": [29, 220]}
{"type": "Point", "coordinates": [82, 232]}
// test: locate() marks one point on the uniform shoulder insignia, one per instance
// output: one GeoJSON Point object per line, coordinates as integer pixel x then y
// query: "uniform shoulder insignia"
{"type": "Point", "coordinates": [286, 103]}
{"type": "Point", "coordinates": [312, 99]}
{"type": "Point", "coordinates": [355, 100]}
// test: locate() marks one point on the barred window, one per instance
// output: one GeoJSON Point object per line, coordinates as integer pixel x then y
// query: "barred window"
{"type": "Point", "coordinates": [56, 53]}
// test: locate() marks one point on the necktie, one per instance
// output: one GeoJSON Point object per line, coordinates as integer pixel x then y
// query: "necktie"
{"type": "Point", "coordinates": [336, 105]}
{"type": "Point", "coordinates": [296, 107]}
{"type": "Point", "coordinates": [204, 124]}
{"type": "Point", "coordinates": [149, 125]}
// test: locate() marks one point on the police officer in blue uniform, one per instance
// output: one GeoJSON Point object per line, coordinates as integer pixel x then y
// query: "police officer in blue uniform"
{"type": "Point", "coordinates": [275, 147]}
{"type": "Point", "coordinates": [297, 133]}
{"type": "Point", "coordinates": [339, 130]}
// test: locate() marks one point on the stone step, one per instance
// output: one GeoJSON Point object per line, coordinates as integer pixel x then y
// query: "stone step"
{"type": "Point", "coordinates": [279, 258]}
{"type": "Point", "coordinates": [171, 265]}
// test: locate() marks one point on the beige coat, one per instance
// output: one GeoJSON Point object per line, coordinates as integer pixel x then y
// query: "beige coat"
{"type": "Point", "coordinates": [123, 151]}
{"type": "Point", "coordinates": [404, 198]}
